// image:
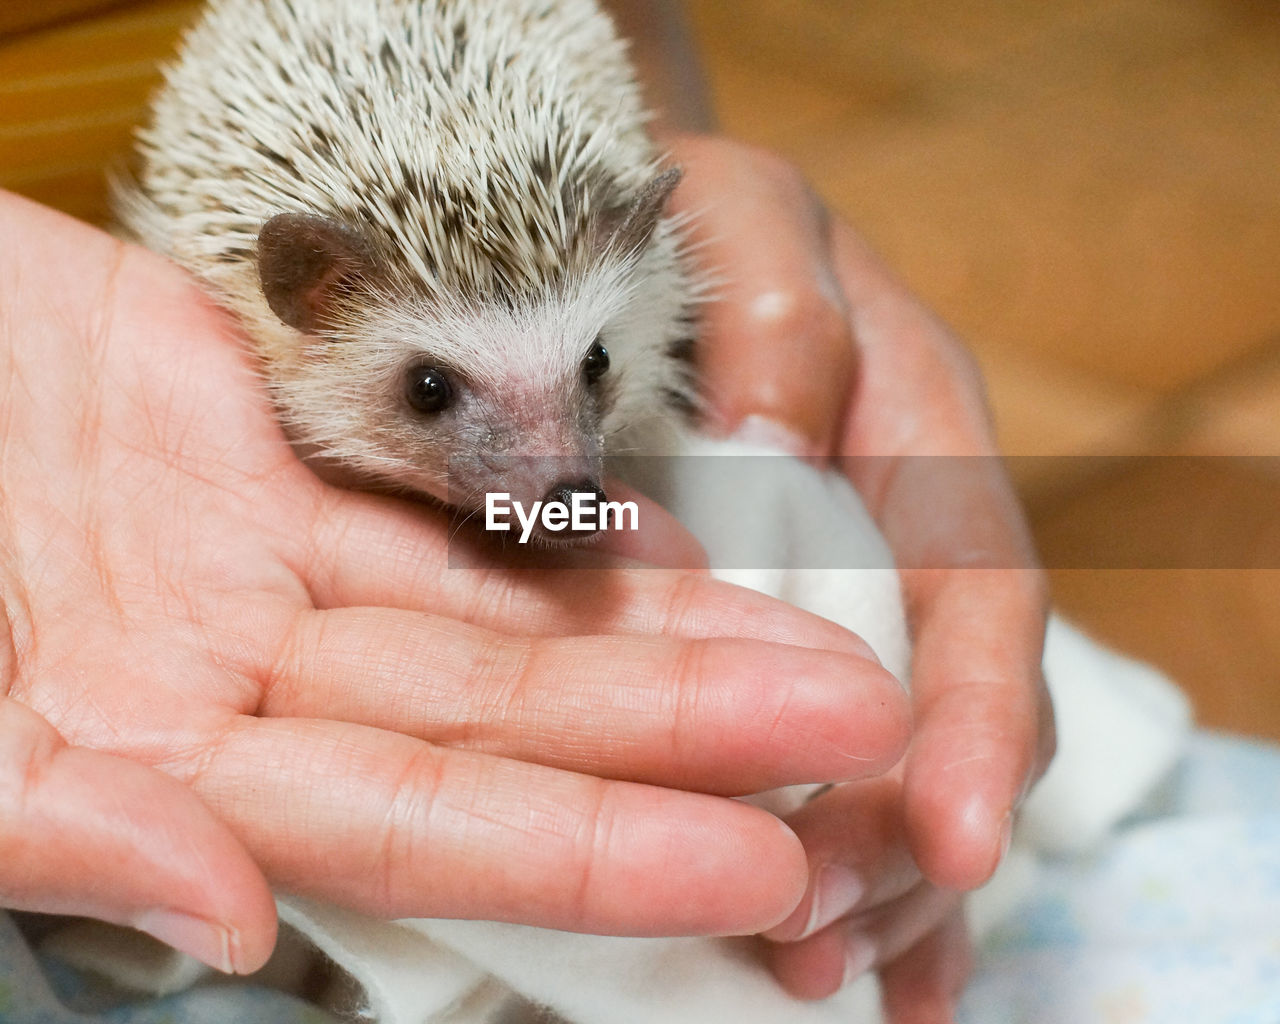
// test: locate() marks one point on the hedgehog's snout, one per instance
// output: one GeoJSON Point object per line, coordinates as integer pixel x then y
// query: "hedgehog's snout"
{"type": "Point", "coordinates": [565, 493]}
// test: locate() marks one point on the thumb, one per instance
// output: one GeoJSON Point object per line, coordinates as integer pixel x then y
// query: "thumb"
{"type": "Point", "coordinates": [86, 833]}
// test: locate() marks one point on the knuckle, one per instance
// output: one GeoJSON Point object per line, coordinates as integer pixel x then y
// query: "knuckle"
{"type": "Point", "coordinates": [598, 832]}
{"type": "Point", "coordinates": [684, 603]}
{"type": "Point", "coordinates": [685, 695]}
{"type": "Point", "coordinates": [800, 316]}
{"type": "Point", "coordinates": [502, 675]}
{"type": "Point", "coordinates": [401, 848]}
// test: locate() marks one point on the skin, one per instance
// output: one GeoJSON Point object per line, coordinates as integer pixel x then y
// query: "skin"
{"type": "Point", "coordinates": [870, 371]}
{"type": "Point", "coordinates": [218, 672]}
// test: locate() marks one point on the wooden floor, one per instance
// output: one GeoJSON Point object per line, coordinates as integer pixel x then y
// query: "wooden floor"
{"type": "Point", "coordinates": [1088, 190]}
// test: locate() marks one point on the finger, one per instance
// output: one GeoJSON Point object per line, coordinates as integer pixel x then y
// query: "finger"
{"type": "Point", "coordinates": [855, 840]}
{"type": "Point", "coordinates": [363, 550]}
{"type": "Point", "coordinates": [398, 828]}
{"type": "Point", "coordinates": [984, 722]}
{"type": "Point", "coordinates": [730, 716]}
{"type": "Point", "coordinates": [830, 959]}
{"type": "Point", "coordinates": [776, 356]}
{"type": "Point", "coordinates": [976, 598]}
{"type": "Point", "coordinates": [88, 834]}
{"type": "Point", "coordinates": [918, 390]}
{"type": "Point", "coordinates": [924, 985]}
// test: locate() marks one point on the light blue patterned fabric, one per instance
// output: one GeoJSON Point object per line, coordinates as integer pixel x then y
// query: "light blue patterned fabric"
{"type": "Point", "coordinates": [1175, 921]}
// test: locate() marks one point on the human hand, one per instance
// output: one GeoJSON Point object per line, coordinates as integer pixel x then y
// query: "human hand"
{"type": "Point", "coordinates": [814, 347]}
{"type": "Point", "coordinates": [210, 655]}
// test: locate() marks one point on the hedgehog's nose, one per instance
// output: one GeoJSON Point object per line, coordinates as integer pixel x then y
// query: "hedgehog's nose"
{"type": "Point", "coordinates": [564, 491]}
{"type": "Point", "coordinates": [592, 505]}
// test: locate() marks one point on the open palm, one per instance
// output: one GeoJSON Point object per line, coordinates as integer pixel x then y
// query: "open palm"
{"type": "Point", "coordinates": [218, 666]}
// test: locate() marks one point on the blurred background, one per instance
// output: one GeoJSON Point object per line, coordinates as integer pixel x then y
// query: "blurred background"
{"type": "Point", "coordinates": [1088, 191]}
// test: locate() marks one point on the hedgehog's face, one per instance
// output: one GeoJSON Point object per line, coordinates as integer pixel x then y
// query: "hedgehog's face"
{"type": "Point", "coordinates": [457, 421]}
{"type": "Point", "coordinates": [459, 399]}
{"type": "Point", "coordinates": [461, 403]}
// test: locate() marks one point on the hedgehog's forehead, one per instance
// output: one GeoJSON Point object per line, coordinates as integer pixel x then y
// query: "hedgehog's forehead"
{"type": "Point", "coordinates": [539, 338]}
{"type": "Point", "coordinates": [515, 229]}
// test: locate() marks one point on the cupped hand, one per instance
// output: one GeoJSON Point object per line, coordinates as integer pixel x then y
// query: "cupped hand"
{"type": "Point", "coordinates": [814, 346]}
{"type": "Point", "coordinates": [219, 672]}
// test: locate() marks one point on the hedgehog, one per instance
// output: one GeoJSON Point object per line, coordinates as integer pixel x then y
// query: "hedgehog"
{"type": "Point", "coordinates": [443, 226]}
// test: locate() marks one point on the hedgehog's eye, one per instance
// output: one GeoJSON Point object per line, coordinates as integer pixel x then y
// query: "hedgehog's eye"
{"type": "Point", "coordinates": [596, 364]}
{"type": "Point", "coordinates": [427, 389]}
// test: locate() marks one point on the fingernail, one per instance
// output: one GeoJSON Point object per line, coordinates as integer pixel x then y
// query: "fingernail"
{"type": "Point", "coordinates": [859, 957]}
{"type": "Point", "coordinates": [207, 942]}
{"type": "Point", "coordinates": [762, 432]}
{"type": "Point", "coordinates": [836, 892]}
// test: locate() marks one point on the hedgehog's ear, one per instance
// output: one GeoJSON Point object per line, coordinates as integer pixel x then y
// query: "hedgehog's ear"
{"type": "Point", "coordinates": [628, 230]}
{"type": "Point", "coordinates": [307, 264]}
